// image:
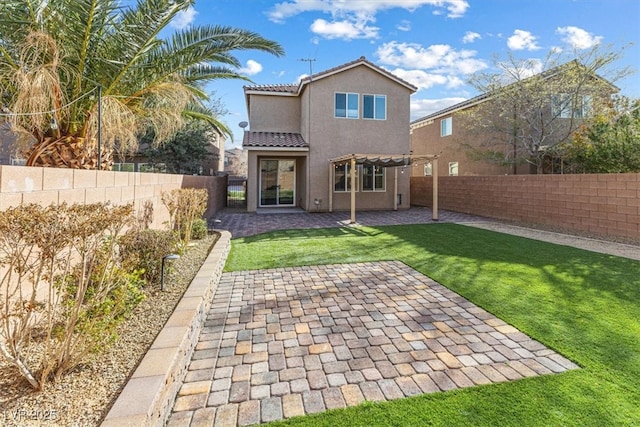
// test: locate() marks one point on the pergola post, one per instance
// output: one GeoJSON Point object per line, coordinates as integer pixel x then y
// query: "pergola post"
{"type": "Point", "coordinates": [353, 190]}
{"type": "Point", "coordinates": [395, 189]}
{"type": "Point", "coordinates": [331, 184]}
{"type": "Point", "coordinates": [434, 173]}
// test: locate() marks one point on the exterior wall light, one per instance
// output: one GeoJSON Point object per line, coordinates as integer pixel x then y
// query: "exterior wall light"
{"type": "Point", "coordinates": [164, 258]}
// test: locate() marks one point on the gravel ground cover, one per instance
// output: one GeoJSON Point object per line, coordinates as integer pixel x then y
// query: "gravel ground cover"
{"type": "Point", "coordinates": [85, 395]}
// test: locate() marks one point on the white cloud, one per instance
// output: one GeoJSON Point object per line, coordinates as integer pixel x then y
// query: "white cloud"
{"type": "Point", "coordinates": [346, 30]}
{"type": "Point", "coordinates": [287, 9]}
{"type": "Point", "coordinates": [423, 80]}
{"type": "Point", "coordinates": [426, 67]}
{"type": "Point", "coordinates": [252, 68]}
{"type": "Point", "coordinates": [440, 58]}
{"type": "Point", "coordinates": [419, 78]}
{"type": "Point", "coordinates": [424, 107]}
{"type": "Point", "coordinates": [184, 18]}
{"type": "Point", "coordinates": [351, 19]}
{"type": "Point", "coordinates": [470, 37]}
{"type": "Point", "coordinates": [578, 38]}
{"type": "Point", "coordinates": [404, 25]}
{"type": "Point", "coordinates": [522, 40]}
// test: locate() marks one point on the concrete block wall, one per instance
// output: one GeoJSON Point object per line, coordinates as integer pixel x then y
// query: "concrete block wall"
{"type": "Point", "coordinates": [45, 186]}
{"type": "Point", "coordinates": [602, 204]}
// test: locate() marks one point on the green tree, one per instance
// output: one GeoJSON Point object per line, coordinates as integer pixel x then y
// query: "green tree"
{"type": "Point", "coordinates": [610, 142]}
{"type": "Point", "coordinates": [185, 151]}
{"type": "Point", "coordinates": [529, 106]}
{"type": "Point", "coordinates": [59, 58]}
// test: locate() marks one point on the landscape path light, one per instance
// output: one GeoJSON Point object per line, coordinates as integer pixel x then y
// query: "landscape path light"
{"type": "Point", "coordinates": [164, 258]}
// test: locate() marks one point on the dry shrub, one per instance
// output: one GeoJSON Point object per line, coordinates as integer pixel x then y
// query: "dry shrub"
{"type": "Point", "coordinates": [62, 290]}
{"type": "Point", "coordinates": [143, 249]}
{"type": "Point", "coordinates": [185, 206]}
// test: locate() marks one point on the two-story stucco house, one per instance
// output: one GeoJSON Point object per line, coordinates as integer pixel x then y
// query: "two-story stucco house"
{"type": "Point", "coordinates": [514, 130]}
{"type": "Point", "coordinates": [301, 138]}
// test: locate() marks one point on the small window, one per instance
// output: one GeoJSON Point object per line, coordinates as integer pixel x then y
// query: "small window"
{"type": "Point", "coordinates": [561, 105]}
{"type": "Point", "coordinates": [374, 107]}
{"type": "Point", "coordinates": [446, 126]}
{"type": "Point", "coordinates": [453, 168]}
{"type": "Point", "coordinates": [373, 178]}
{"type": "Point", "coordinates": [428, 169]}
{"type": "Point", "coordinates": [346, 105]}
{"type": "Point", "coordinates": [342, 178]}
{"type": "Point", "coordinates": [18, 161]}
{"type": "Point", "coordinates": [124, 167]}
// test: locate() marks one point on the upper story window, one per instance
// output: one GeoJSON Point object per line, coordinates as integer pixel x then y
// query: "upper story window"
{"type": "Point", "coordinates": [373, 178]}
{"type": "Point", "coordinates": [446, 126]}
{"type": "Point", "coordinates": [374, 107]}
{"type": "Point", "coordinates": [566, 107]}
{"type": "Point", "coordinates": [346, 105]}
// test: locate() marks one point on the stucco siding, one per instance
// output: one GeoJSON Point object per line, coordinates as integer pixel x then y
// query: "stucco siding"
{"type": "Point", "coordinates": [275, 114]}
{"type": "Point", "coordinates": [332, 137]}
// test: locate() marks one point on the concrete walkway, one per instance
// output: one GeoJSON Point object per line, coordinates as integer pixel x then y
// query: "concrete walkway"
{"type": "Point", "coordinates": [284, 342]}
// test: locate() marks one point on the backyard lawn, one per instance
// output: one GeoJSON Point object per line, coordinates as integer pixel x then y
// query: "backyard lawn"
{"type": "Point", "coordinates": [582, 304]}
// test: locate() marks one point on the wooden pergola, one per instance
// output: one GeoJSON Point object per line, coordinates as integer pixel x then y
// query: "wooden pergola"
{"type": "Point", "coordinates": [387, 161]}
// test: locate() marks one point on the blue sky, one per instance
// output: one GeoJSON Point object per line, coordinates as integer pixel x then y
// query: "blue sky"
{"type": "Point", "coordinates": [434, 44]}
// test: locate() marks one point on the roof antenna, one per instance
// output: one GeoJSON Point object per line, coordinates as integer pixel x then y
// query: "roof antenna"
{"type": "Point", "coordinates": [310, 61]}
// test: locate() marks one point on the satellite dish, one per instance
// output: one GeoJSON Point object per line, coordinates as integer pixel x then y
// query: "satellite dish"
{"type": "Point", "coordinates": [243, 124]}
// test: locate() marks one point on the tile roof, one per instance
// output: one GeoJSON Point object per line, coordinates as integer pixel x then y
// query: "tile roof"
{"type": "Point", "coordinates": [284, 88]}
{"type": "Point", "coordinates": [273, 140]}
{"type": "Point", "coordinates": [297, 88]}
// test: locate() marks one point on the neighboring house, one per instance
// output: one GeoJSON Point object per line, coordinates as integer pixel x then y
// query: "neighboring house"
{"type": "Point", "coordinates": [470, 138]}
{"type": "Point", "coordinates": [235, 162]}
{"type": "Point", "coordinates": [297, 130]}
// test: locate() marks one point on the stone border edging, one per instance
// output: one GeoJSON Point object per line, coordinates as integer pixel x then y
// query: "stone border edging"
{"type": "Point", "coordinates": [148, 396]}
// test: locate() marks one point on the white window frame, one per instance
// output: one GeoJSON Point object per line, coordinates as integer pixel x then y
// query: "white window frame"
{"type": "Point", "coordinates": [376, 171]}
{"type": "Point", "coordinates": [428, 169]}
{"type": "Point", "coordinates": [562, 106]}
{"type": "Point", "coordinates": [348, 113]}
{"type": "Point", "coordinates": [118, 167]}
{"type": "Point", "coordinates": [346, 168]}
{"type": "Point", "coordinates": [446, 126]}
{"type": "Point", "coordinates": [453, 168]}
{"type": "Point", "coordinates": [376, 113]}
{"type": "Point", "coordinates": [17, 161]}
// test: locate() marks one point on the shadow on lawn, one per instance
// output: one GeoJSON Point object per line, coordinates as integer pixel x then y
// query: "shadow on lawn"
{"type": "Point", "coordinates": [584, 304]}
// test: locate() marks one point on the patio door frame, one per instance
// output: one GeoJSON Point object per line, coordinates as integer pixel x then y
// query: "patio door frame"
{"type": "Point", "coordinates": [278, 181]}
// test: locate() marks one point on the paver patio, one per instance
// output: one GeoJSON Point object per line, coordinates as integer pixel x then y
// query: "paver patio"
{"type": "Point", "coordinates": [292, 341]}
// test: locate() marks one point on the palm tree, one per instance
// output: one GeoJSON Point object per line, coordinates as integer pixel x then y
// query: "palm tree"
{"type": "Point", "coordinates": [64, 63]}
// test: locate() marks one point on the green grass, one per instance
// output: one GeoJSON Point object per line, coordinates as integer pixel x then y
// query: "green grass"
{"type": "Point", "coordinates": [582, 304]}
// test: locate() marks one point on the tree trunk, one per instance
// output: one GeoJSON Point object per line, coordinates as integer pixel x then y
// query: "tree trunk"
{"type": "Point", "coordinates": [67, 152]}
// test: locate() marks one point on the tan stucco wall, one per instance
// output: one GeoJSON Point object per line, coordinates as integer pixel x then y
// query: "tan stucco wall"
{"type": "Point", "coordinates": [274, 113]}
{"type": "Point", "coordinates": [312, 115]}
{"type": "Point", "coordinates": [332, 137]}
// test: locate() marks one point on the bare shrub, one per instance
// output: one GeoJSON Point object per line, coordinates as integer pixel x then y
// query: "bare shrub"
{"type": "Point", "coordinates": [144, 249]}
{"type": "Point", "coordinates": [62, 290]}
{"type": "Point", "coordinates": [185, 206]}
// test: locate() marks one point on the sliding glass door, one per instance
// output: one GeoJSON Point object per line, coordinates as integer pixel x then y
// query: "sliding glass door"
{"type": "Point", "coordinates": [277, 182]}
